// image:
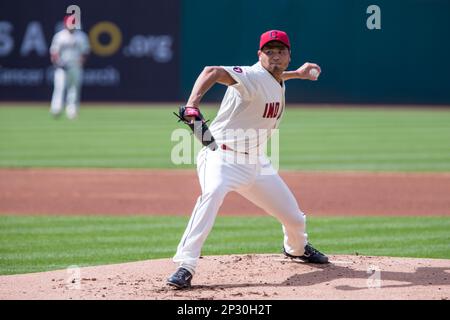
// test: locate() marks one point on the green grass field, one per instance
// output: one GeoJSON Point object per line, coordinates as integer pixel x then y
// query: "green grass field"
{"type": "Point", "coordinates": [32, 244]}
{"type": "Point", "coordinates": [310, 139]}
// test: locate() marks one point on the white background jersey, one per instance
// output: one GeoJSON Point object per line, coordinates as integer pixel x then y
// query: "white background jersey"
{"type": "Point", "coordinates": [70, 47]}
{"type": "Point", "coordinates": [250, 109]}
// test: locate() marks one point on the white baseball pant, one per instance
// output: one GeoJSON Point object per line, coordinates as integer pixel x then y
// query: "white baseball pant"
{"type": "Point", "coordinates": [67, 84]}
{"type": "Point", "coordinates": [219, 174]}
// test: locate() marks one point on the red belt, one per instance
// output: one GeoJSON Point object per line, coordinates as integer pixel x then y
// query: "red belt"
{"type": "Point", "coordinates": [225, 147]}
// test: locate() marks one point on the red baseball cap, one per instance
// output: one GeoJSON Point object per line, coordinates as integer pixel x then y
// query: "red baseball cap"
{"type": "Point", "coordinates": [274, 35]}
{"type": "Point", "coordinates": [68, 21]}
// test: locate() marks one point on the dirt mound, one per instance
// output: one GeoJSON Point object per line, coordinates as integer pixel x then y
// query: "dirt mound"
{"type": "Point", "coordinates": [243, 277]}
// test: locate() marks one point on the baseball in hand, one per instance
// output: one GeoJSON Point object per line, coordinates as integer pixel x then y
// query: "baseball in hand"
{"type": "Point", "coordinates": [314, 73]}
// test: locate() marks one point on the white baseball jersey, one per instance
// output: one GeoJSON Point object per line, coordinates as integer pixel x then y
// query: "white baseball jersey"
{"type": "Point", "coordinates": [250, 109]}
{"type": "Point", "coordinates": [70, 47]}
{"type": "Point", "coordinates": [254, 104]}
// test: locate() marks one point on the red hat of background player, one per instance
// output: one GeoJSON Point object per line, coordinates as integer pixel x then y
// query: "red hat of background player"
{"type": "Point", "coordinates": [274, 35]}
{"type": "Point", "coordinates": [65, 20]}
{"type": "Point", "coordinates": [69, 21]}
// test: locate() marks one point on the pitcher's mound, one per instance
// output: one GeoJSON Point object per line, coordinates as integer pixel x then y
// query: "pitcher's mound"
{"type": "Point", "coordinates": [252, 276]}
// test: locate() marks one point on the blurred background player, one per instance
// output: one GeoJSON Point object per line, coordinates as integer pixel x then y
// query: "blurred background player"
{"type": "Point", "coordinates": [68, 52]}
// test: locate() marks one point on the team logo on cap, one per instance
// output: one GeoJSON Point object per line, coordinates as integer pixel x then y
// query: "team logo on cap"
{"type": "Point", "coordinates": [237, 69]}
{"type": "Point", "coordinates": [274, 34]}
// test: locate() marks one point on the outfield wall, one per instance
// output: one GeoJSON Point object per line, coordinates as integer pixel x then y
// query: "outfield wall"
{"type": "Point", "coordinates": [163, 45]}
{"type": "Point", "coordinates": [135, 49]}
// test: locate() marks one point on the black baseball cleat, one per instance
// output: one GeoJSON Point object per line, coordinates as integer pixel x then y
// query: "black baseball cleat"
{"type": "Point", "coordinates": [181, 279]}
{"type": "Point", "coordinates": [311, 255]}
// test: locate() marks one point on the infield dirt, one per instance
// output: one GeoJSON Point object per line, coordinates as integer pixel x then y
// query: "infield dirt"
{"type": "Point", "coordinates": [174, 192]}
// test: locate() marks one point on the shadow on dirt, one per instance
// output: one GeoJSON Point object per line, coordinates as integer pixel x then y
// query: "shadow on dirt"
{"type": "Point", "coordinates": [422, 276]}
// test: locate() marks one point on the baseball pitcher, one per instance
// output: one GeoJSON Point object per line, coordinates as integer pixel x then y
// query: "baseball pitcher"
{"type": "Point", "coordinates": [233, 158]}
